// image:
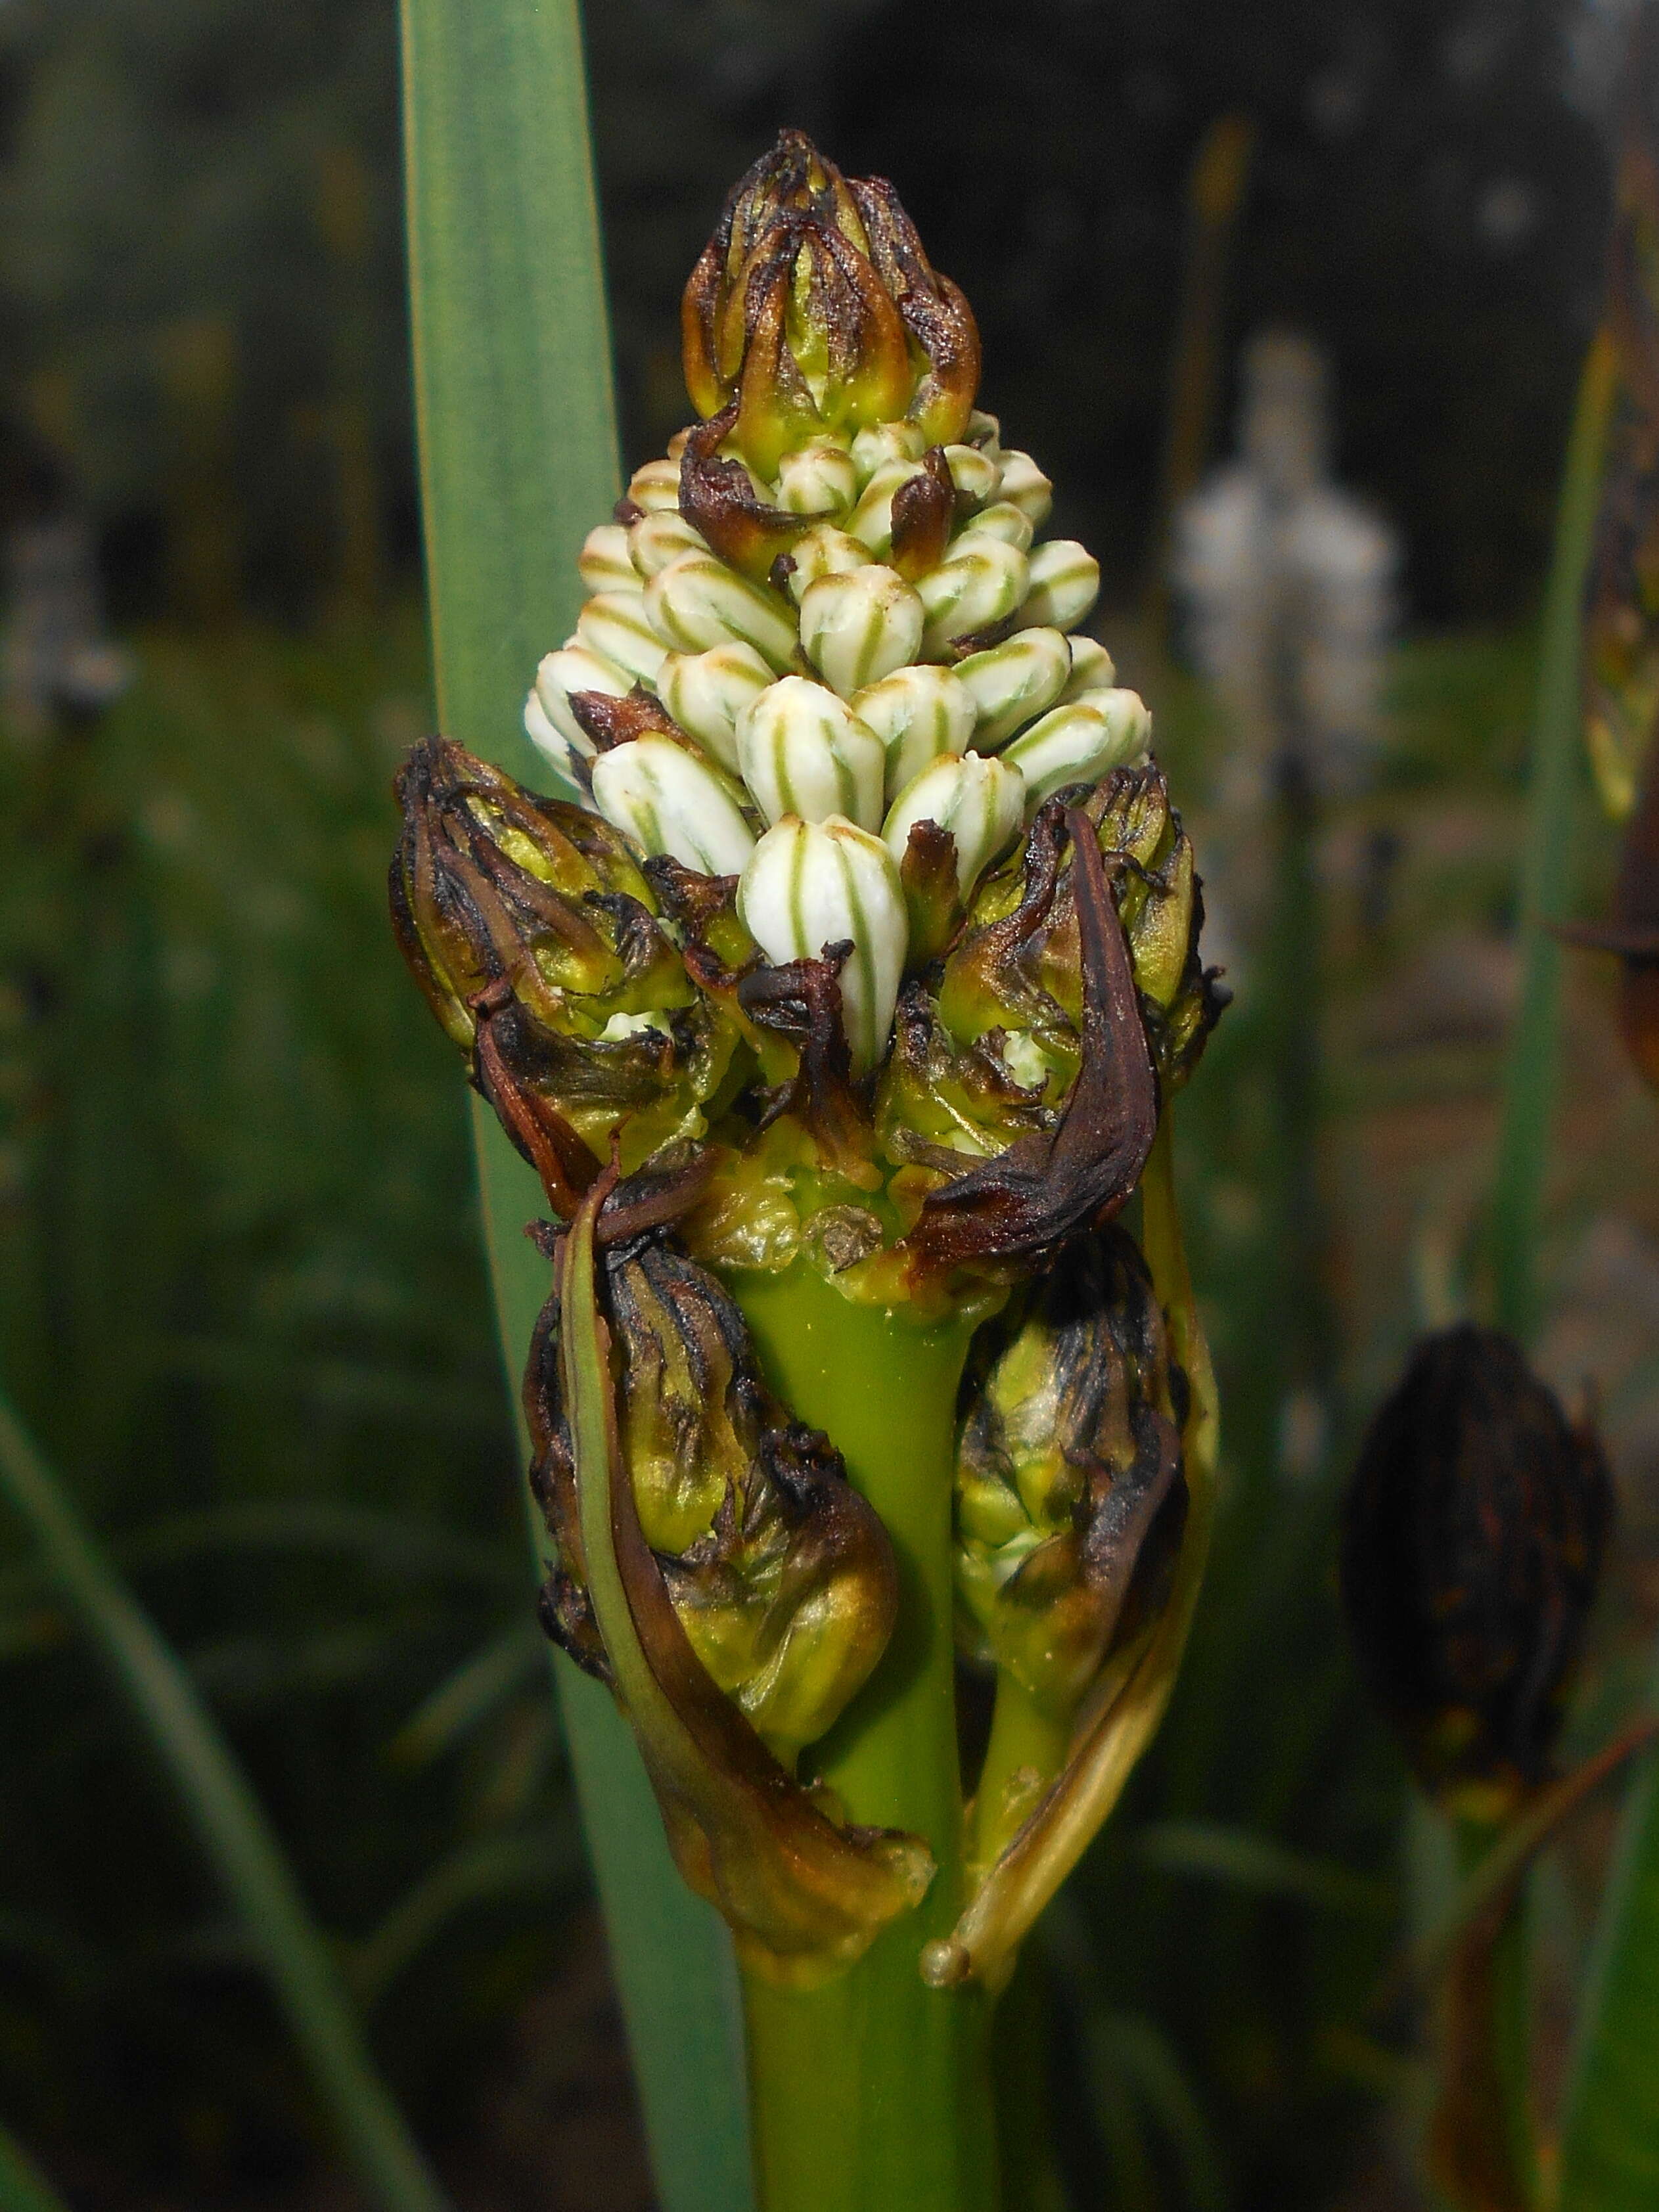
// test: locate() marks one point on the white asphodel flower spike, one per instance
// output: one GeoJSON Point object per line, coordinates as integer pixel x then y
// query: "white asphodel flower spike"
{"type": "Point", "coordinates": [918, 713]}
{"type": "Point", "coordinates": [877, 443]}
{"type": "Point", "coordinates": [1065, 583]}
{"type": "Point", "coordinates": [808, 884]}
{"type": "Point", "coordinates": [698, 602]}
{"type": "Point", "coordinates": [860, 626]}
{"type": "Point", "coordinates": [1013, 681]}
{"type": "Point", "coordinates": [659, 537]}
{"type": "Point", "coordinates": [872, 520]}
{"type": "Point", "coordinates": [615, 626]}
{"type": "Point", "coordinates": [1092, 668]}
{"type": "Point", "coordinates": [804, 751]}
{"type": "Point", "coordinates": [706, 693]}
{"type": "Point", "coordinates": [573, 667]}
{"type": "Point", "coordinates": [1078, 743]}
{"type": "Point", "coordinates": [978, 798]}
{"type": "Point", "coordinates": [824, 551]}
{"type": "Point", "coordinates": [822, 478]}
{"type": "Point", "coordinates": [981, 581]}
{"type": "Point", "coordinates": [670, 802]}
{"type": "Point", "coordinates": [974, 474]}
{"type": "Point", "coordinates": [1023, 485]}
{"type": "Point", "coordinates": [1002, 518]}
{"type": "Point", "coordinates": [605, 563]}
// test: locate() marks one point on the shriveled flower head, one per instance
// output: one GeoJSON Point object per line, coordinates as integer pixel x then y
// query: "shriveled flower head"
{"type": "Point", "coordinates": [1471, 1546]}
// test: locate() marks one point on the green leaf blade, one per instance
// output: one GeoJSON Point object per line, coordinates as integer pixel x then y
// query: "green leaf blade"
{"type": "Point", "coordinates": [1610, 2136]}
{"type": "Point", "coordinates": [518, 462]}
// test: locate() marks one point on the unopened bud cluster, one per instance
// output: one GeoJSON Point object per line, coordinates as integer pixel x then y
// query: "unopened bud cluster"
{"type": "Point", "coordinates": [875, 677]}
{"type": "Point", "coordinates": [866, 943]}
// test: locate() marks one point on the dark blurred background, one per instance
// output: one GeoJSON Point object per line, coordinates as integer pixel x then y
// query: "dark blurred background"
{"type": "Point", "coordinates": [241, 1297]}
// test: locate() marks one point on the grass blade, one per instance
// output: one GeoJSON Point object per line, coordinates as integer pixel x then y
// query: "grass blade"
{"type": "Point", "coordinates": [1610, 2136]}
{"type": "Point", "coordinates": [23, 2187]}
{"type": "Point", "coordinates": [1547, 859]}
{"type": "Point", "coordinates": [518, 461]}
{"type": "Point", "coordinates": [227, 1819]}
{"type": "Point", "coordinates": [478, 1687]}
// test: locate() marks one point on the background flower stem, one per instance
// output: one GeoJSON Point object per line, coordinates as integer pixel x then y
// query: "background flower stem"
{"type": "Point", "coordinates": [1546, 866]}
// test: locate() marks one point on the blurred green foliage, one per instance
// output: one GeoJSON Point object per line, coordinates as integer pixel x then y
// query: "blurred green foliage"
{"type": "Point", "coordinates": [243, 1304]}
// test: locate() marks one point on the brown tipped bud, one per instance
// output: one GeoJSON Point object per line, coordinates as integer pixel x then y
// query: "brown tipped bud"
{"type": "Point", "coordinates": [781, 1574]}
{"type": "Point", "coordinates": [801, 315]}
{"type": "Point", "coordinates": [1472, 1544]}
{"type": "Point", "coordinates": [1070, 1500]}
{"type": "Point", "coordinates": [534, 932]}
{"type": "Point", "coordinates": [489, 881]}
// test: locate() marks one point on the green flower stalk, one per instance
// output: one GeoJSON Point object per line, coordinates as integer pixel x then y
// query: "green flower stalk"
{"type": "Point", "coordinates": [839, 1010]}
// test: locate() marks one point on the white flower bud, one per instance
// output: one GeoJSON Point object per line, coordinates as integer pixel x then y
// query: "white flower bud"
{"type": "Point", "coordinates": [627, 1025]}
{"type": "Point", "coordinates": [669, 801]}
{"type": "Point", "coordinates": [979, 800]}
{"type": "Point", "coordinates": [706, 692]}
{"type": "Point", "coordinates": [1024, 482]}
{"type": "Point", "coordinates": [1011, 682]}
{"type": "Point", "coordinates": [808, 884]}
{"type": "Point", "coordinates": [872, 520]}
{"type": "Point", "coordinates": [573, 667]}
{"type": "Point", "coordinates": [804, 751]}
{"type": "Point", "coordinates": [974, 475]}
{"type": "Point", "coordinates": [1092, 668]}
{"type": "Point", "coordinates": [1002, 518]}
{"type": "Point", "coordinates": [656, 485]}
{"type": "Point", "coordinates": [615, 626]}
{"type": "Point", "coordinates": [859, 626]}
{"type": "Point", "coordinates": [1065, 583]}
{"type": "Point", "coordinates": [970, 591]}
{"type": "Point", "coordinates": [660, 538]}
{"type": "Point", "coordinates": [986, 432]}
{"type": "Point", "coordinates": [825, 551]}
{"type": "Point", "coordinates": [1079, 742]}
{"type": "Point", "coordinates": [882, 442]}
{"type": "Point", "coordinates": [604, 561]}
{"type": "Point", "coordinates": [552, 745]}
{"type": "Point", "coordinates": [820, 478]}
{"type": "Point", "coordinates": [918, 713]}
{"type": "Point", "coordinates": [696, 601]}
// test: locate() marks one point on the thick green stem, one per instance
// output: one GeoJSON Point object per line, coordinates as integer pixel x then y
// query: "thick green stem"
{"type": "Point", "coordinates": [1517, 1198]}
{"type": "Point", "coordinates": [874, 2090]}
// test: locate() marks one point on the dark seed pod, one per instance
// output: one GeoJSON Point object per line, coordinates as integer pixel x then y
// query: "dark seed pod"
{"type": "Point", "coordinates": [1472, 1541]}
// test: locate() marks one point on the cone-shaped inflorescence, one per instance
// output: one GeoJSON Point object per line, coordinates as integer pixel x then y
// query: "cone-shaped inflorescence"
{"type": "Point", "coordinates": [866, 943]}
{"type": "Point", "coordinates": [1471, 1546]}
